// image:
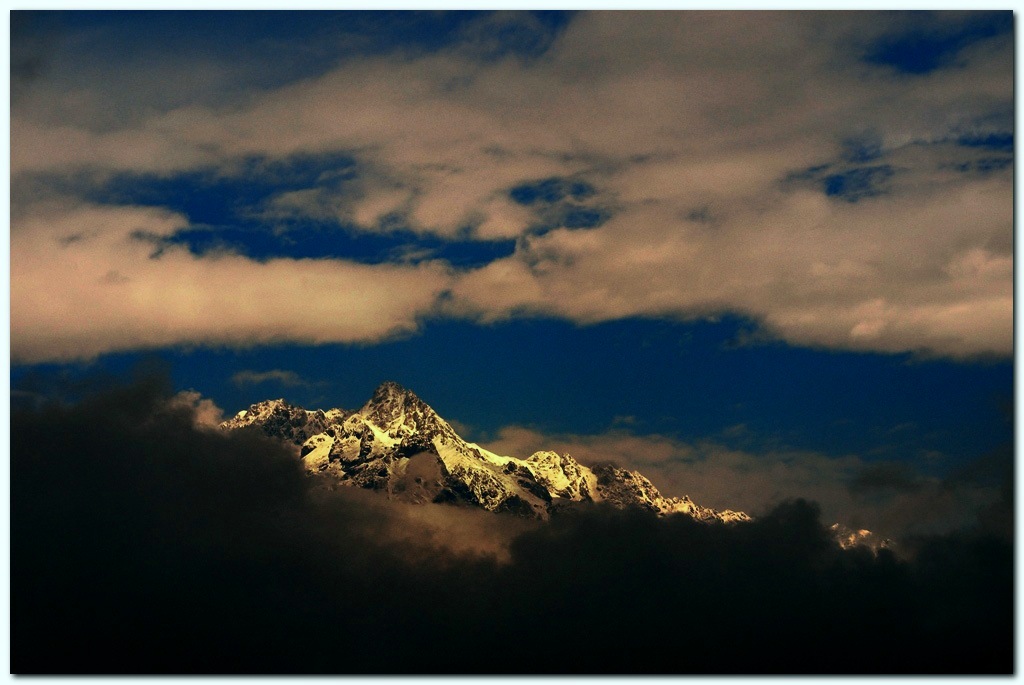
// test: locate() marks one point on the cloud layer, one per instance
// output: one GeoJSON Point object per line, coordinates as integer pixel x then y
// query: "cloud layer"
{"type": "Point", "coordinates": [755, 163]}
{"type": "Point", "coordinates": [144, 542]}
{"type": "Point", "coordinates": [91, 279]}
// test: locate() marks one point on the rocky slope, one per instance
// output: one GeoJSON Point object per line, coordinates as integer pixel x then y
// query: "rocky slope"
{"type": "Point", "coordinates": [397, 444]}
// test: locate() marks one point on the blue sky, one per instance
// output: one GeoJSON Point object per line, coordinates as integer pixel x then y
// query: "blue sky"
{"type": "Point", "coordinates": [767, 249]}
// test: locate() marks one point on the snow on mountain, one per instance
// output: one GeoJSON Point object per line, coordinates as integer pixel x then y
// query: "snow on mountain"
{"type": "Point", "coordinates": [280, 419]}
{"type": "Point", "coordinates": [374, 446]}
{"type": "Point", "coordinates": [397, 444]}
{"type": "Point", "coordinates": [847, 538]}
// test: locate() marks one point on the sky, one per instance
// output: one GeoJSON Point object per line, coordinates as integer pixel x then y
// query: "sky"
{"type": "Point", "coordinates": [754, 255]}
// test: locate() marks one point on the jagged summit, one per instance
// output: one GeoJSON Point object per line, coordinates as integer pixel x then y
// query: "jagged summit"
{"type": "Point", "coordinates": [397, 444]}
{"type": "Point", "coordinates": [390, 394]}
{"type": "Point", "coordinates": [391, 389]}
{"type": "Point", "coordinates": [397, 410]}
{"type": "Point", "coordinates": [278, 418]}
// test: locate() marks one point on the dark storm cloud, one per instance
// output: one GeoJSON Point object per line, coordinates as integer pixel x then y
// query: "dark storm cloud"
{"type": "Point", "coordinates": [977, 494]}
{"type": "Point", "coordinates": [144, 543]}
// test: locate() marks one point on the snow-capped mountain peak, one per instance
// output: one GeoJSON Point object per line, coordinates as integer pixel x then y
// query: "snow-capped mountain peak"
{"type": "Point", "coordinates": [399, 412]}
{"type": "Point", "coordinates": [280, 419]}
{"type": "Point", "coordinates": [396, 443]}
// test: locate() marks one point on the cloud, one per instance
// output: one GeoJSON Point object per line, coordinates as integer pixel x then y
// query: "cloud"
{"type": "Point", "coordinates": [667, 116]}
{"type": "Point", "coordinates": [894, 499]}
{"type": "Point", "coordinates": [143, 543]}
{"type": "Point", "coordinates": [286, 378]}
{"type": "Point", "coordinates": [812, 272]}
{"type": "Point", "coordinates": [65, 304]}
{"type": "Point", "coordinates": [899, 477]}
{"type": "Point", "coordinates": [205, 411]}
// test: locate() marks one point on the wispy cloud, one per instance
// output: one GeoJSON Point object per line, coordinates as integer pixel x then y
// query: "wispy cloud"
{"type": "Point", "coordinates": [286, 378]}
{"type": "Point", "coordinates": [893, 498]}
{"type": "Point", "coordinates": [204, 410]}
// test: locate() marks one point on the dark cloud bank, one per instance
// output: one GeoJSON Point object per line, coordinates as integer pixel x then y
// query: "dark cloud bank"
{"type": "Point", "coordinates": [141, 544]}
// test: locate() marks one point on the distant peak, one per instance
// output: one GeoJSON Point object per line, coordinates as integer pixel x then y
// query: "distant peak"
{"type": "Point", "coordinates": [398, 412]}
{"type": "Point", "coordinates": [279, 402]}
{"type": "Point", "coordinates": [390, 400]}
{"type": "Point", "coordinates": [389, 392]}
{"type": "Point", "coordinates": [263, 411]}
{"type": "Point", "coordinates": [388, 388]}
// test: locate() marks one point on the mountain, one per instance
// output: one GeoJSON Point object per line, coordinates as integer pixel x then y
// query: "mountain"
{"type": "Point", "coordinates": [848, 538]}
{"type": "Point", "coordinates": [397, 444]}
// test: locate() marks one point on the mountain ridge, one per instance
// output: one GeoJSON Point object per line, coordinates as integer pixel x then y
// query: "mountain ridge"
{"type": "Point", "coordinates": [384, 446]}
{"type": "Point", "coordinates": [397, 444]}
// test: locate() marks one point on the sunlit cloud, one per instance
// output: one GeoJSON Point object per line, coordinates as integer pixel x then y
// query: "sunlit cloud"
{"type": "Point", "coordinates": [88, 280]}
{"type": "Point", "coordinates": [840, 200]}
{"type": "Point", "coordinates": [896, 499]}
{"type": "Point", "coordinates": [280, 376]}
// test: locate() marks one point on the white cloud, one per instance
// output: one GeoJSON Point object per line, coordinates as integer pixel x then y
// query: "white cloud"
{"type": "Point", "coordinates": [82, 285]}
{"type": "Point", "coordinates": [670, 116]}
{"type": "Point", "coordinates": [929, 272]}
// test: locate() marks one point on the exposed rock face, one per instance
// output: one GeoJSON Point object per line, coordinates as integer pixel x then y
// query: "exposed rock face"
{"type": "Point", "coordinates": [279, 419]}
{"type": "Point", "coordinates": [632, 489]}
{"type": "Point", "coordinates": [397, 444]}
{"type": "Point", "coordinates": [373, 447]}
{"type": "Point", "coordinates": [563, 476]}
